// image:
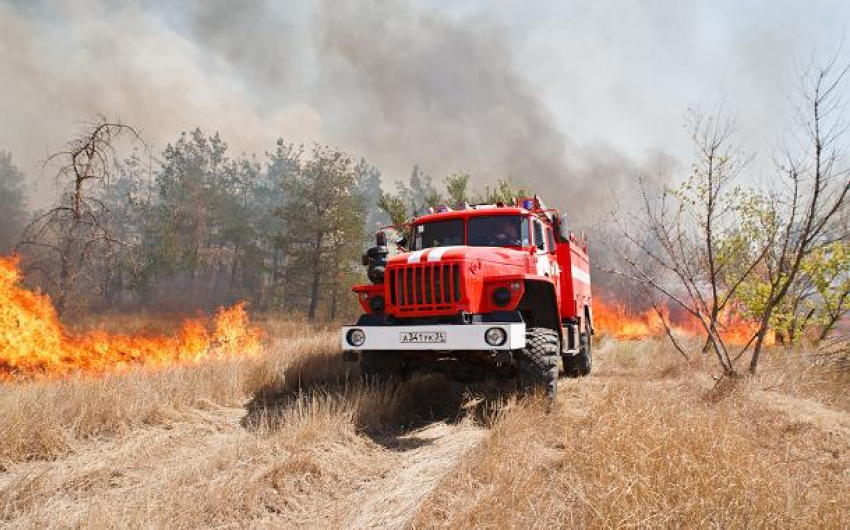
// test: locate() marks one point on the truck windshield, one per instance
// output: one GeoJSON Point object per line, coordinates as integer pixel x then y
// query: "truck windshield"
{"type": "Point", "coordinates": [438, 234]}
{"type": "Point", "coordinates": [498, 231]}
{"type": "Point", "coordinates": [484, 231]}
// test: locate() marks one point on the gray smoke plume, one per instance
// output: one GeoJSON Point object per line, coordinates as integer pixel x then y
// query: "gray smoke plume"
{"type": "Point", "coordinates": [399, 85]}
{"type": "Point", "coordinates": [407, 87]}
{"type": "Point", "coordinates": [403, 83]}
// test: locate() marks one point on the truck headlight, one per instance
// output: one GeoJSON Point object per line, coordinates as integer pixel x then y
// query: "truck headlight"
{"type": "Point", "coordinates": [356, 337]}
{"type": "Point", "coordinates": [495, 336]}
{"type": "Point", "coordinates": [376, 304]}
{"type": "Point", "coordinates": [501, 296]}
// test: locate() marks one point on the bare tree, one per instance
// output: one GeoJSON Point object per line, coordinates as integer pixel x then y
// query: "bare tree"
{"type": "Point", "coordinates": [70, 236]}
{"type": "Point", "coordinates": [815, 175]}
{"type": "Point", "coordinates": [683, 243]}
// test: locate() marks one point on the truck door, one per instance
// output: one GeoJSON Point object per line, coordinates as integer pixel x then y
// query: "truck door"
{"type": "Point", "coordinates": [547, 259]}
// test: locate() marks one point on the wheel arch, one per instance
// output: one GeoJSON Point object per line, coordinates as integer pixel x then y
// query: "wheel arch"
{"type": "Point", "coordinates": [539, 305]}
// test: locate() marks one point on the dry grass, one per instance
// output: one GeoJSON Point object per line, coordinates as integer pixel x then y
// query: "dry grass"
{"type": "Point", "coordinates": [653, 444]}
{"type": "Point", "coordinates": [42, 420]}
{"type": "Point", "coordinates": [291, 440]}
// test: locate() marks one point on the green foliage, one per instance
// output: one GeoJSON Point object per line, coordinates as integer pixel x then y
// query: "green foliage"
{"type": "Point", "coordinates": [827, 269]}
{"type": "Point", "coordinates": [818, 297]}
{"type": "Point", "coordinates": [457, 188]}
{"type": "Point", "coordinates": [324, 218]}
{"type": "Point", "coordinates": [394, 207]}
{"type": "Point", "coordinates": [505, 190]}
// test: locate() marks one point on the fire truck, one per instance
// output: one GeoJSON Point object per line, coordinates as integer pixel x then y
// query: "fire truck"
{"type": "Point", "coordinates": [476, 292]}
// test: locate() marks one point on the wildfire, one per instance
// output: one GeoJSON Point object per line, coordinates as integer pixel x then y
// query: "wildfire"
{"type": "Point", "coordinates": [34, 343]}
{"type": "Point", "coordinates": [617, 319]}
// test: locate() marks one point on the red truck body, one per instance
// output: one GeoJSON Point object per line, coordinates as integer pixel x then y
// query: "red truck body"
{"type": "Point", "coordinates": [430, 282]}
{"type": "Point", "coordinates": [512, 267]}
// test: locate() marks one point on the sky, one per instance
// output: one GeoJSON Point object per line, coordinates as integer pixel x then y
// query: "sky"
{"type": "Point", "coordinates": [571, 98]}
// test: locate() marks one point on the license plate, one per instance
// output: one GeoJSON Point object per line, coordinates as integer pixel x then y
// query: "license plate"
{"type": "Point", "coordinates": [423, 337]}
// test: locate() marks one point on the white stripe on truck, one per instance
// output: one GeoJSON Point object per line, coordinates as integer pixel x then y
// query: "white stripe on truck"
{"type": "Point", "coordinates": [436, 254]}
{"type": "Point", "coordinates": [580, 275]}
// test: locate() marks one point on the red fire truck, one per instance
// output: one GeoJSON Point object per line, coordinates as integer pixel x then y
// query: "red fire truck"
{"type": "Point", "coordinates": [499, 290]}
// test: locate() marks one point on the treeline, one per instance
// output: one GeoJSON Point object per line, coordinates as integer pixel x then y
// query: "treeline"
{"type": "Point", "coordinates": [196, 227]}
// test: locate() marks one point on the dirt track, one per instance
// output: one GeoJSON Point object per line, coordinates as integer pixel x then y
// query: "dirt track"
{"type": "Point", "coordinates": [422, 458]}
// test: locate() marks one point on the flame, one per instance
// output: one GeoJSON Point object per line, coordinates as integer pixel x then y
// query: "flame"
{"type": "Point", "coordinates": [34, 343]}
{"type": "Point", "coordinates": [616, 319]}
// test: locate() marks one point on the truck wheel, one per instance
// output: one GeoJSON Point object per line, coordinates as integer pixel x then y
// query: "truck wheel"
{"type": "Point", "coordinates": [380, 366]}
{"type": "Point", "coordinates": [537, 363]}
{"type": "Point", "coordinates": [580, 364]}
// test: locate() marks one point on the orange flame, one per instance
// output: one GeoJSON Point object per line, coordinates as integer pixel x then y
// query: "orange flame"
{"type": "Point", "coordinates": [34, 343]}
{"type": "Point", "coordinates": [616, 319]}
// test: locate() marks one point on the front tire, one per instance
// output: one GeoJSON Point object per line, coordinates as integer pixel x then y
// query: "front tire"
{"type": "Point", "coordinates": [537, 363]}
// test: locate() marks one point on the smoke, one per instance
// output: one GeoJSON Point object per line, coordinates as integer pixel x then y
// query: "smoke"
{"type": "Point", "coordinates": [64, 62]}
{"type": "Point", "coordinates": [447, 94]}
{"type": "Point", "coordinates": [396, 84]}
{"type": "Point", "coordinates": [568, 101]}
{"type": "Point", "coordinates": [405, 86]}
{"type": "Point", "coordinates": [444, 92]}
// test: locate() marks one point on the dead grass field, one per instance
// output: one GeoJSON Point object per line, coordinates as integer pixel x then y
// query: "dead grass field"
{"type": "Point", "coordinates": [290, 440]}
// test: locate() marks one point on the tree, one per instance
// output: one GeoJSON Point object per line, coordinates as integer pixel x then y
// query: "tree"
{"type": "Point", "coordinates": [323, 216]}
{"type": "Point", "coordinates": [686, 244]}
{"type": "Point", "coordinates": [188, 182]}
{"type": "Point", "coordinates": [815, 176]}
{"type": "Point", "coordinates": [65, 241]}
{"type": "Point", "coordinates": [128, 202]}
{"type": "Point", "coordinates": [394, 207]}
{"type": "Point", "coordinates": [457, 188]}
{"type": "Point", "coordinates": [369, 185]}
{"type": "Point", "coordinates": [828, 271]}
{"type": "Point", "coordinates": [814, 304]}
{"type": "Point", "coordinates": [283, 166]}
{"type": "Point", "coordinates": [505, 190]}
{"type": "Point", "coordinates": [12, 202]}
{"type": "Point", "coordinates": [419, 193]}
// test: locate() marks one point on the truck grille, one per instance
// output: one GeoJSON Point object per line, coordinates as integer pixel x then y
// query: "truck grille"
{"type": "Point", "coordinates": [425, 287]}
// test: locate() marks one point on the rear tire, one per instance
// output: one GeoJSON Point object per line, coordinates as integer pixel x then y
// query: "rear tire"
{"type": "Point", "coordinates": [381, 366]}
{"type": "Point", "coordinates": [537, 363]}
{"type": "Point", "coordinates": [581, 364]}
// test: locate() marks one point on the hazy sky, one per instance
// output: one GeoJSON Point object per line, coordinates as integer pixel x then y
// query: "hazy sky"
{"type": "Point", "coordinates": [562, 95]}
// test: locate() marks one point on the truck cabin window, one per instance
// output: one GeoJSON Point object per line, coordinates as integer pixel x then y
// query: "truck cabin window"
{"type": "Point", "coordinates": [538, 235]}
{"type": "Point", "coordinates": [498, 231]}
{"type": "Point", "coordinates": [438, 234]}
{"type": "Point", "coordinates": [484, 231]}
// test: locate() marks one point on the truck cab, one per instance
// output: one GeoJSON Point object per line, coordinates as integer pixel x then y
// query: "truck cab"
{"type": "Point", "coordinates": [475, 292]}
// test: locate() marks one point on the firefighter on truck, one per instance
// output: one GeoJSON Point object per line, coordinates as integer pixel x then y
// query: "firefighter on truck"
{"type": "Point", "coordinates": [478, 292]}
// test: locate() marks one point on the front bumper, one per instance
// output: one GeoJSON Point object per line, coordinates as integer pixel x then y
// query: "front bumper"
{"type": "Point", "coordinates": [451, 337]}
